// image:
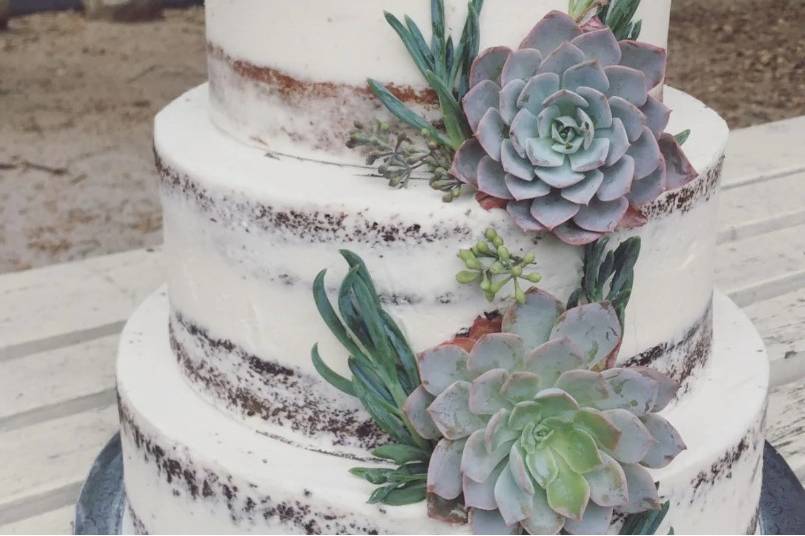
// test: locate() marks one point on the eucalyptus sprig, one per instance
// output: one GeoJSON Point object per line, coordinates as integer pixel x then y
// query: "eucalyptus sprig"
{"type": "Point", "coordinates": [444, 65]}
{"type": "Point", "coordinates": [490, 264]}
{"type": "Point", "coordinates": [608, 274]}
{"type": "Point", "coordinates": [384, 373]}
{"type": "Point", "coordinates": [399, 159]}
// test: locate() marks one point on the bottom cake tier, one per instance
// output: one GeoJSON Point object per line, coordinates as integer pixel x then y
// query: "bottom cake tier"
{"type": "Point", "coordinates": [189, 468]}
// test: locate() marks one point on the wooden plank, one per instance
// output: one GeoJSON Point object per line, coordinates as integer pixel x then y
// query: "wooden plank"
{"type": "Point", "coordinates": [786, 424]}
{"type": "Point", "coordinates": [759, 208]}
{"type": "Point", "coordinates": [50, 380]}
{"type": "Point", "coordinates": [763, 266]}
{"type": "Point", "coordinates": [766, 151]}
{"type": "Point", "coordinates": [780, 322]}
{"type": "Point", "coordinates": [51, 460]}
{"type": "Point", "coordinates": [69, 303]}
{"type": "Point", "coordinates": [59, 521]}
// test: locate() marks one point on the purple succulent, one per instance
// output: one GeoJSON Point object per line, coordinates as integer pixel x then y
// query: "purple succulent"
{"type": "Point", "coordinates": [567, 133]}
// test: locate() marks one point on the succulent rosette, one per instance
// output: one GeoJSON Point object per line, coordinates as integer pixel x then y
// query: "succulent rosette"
{"type": "Point", "coordinates": [567, 134]}
{"type": "Point", "coordinates": [534, 431]}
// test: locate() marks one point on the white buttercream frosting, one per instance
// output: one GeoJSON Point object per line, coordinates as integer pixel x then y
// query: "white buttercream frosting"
{"type": "Point", "coordinates": [190, 468]}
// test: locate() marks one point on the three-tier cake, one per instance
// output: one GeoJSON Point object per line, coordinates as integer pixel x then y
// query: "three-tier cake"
{"type": "Point", "coordinates": [228, 425]}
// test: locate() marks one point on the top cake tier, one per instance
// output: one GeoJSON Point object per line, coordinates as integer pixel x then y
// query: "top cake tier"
{"type": "Point", "coordinates": [291, 74]}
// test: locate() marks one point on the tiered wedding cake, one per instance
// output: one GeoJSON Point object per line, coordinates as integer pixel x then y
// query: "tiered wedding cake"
{"type": "Point", "coordinates": [228, 426]}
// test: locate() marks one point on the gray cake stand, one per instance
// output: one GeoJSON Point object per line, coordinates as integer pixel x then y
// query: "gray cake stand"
{"type": "Point", "coordinates": [102, 501]}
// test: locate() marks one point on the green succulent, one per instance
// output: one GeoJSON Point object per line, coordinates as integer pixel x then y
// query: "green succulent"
{"type": "Point", "coordinates": [533, 433]}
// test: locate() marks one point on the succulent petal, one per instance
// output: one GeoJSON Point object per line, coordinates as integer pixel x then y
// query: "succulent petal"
{"type": "Point", "coordinates": [537, 89]}
{"type": "Point", "coordinates": [521, 65]}
{"type": "Point", "coordinates": [508, 100]}
{"type": "Point", "coordinates": [465, 163]}
{"type": "Point", "coordinates": [600, 45]}
{"type": "Point", "coordinates": [586, 74]}
{"type": "Point", "coordinates": [519, 470]}
{"type": "Point", "coordinates": [679, 169]}
{"type": "Point", "coordinates": [523, 414]}
{"type": "Point", "coordinates": [564, 98]}
{"type": "Point", "coordinates": [514, 504]}
{"type": "Point", "coordinates": [444, 469]}
{"type": "Point", "coordinates": [599, 107]}
{"type": "Point", "coordinates": [577, 448]}
{"type": "Point", "coordinates": [520, 212]}
{"type": "Point", "coordinates": [482, 494]}
{"type": "Point", "coordinates": [617, 179]}
{"type": "Point", "coordinates": [608, 483]}
{"type": "Point", "coordinates": [596, 520]}
{"type": "Point", "coordinates": [635, 440]}
{"type": "Point", "coordinates": [561, 176]}
{"type": "Point", "coordinates": [648, 59]}
{"type": "Point", "coordinates": [593, 328]}
{"type": "Point", "coordinates": [479, 99]}
{"type": "Point", "coordinates": [588, 388]}
{"type": "Point", "coordinates": [534, 319]}
{"type": "Point", "coordinates": [488, 65]}
{"type": "Point", "coordinates": [602, 216]}
{"type": "Point", "coordinates": [553, 210]}
{"type": "Point", "coordinates": [543, 520]}
{"type": "Point", "coordinates": [415, 408]}
{"type": "Point", "coordinates": [542, 465]}
{"type": "Point", "coordinates": [490, 522]}
{"type": "Point", "coordinates": [650, 187]}
{"type": "Point", "coordinates": [553, 30]}
{"type": "Point", "coordinates": [568, 493]}
{"type": "Point", "coordinates": [627, 83]}
{"type": "Point", "coordinates": [642, 491]}
{"type": "Point", "coordinates": [581, 193]}
{"type": "Point", "coordinates": [553, 402]}
{"type": "Point", "coordinates": [520, 386]}
{"type": "Point", "coordinates": [618, 141]}
{"type": "Point", "coordinates": [632, 391]}
{"type": "Point", "coordinates": [526, 190]}
{"type": "Point", "coordinates": [440, 367]}
{"type": "Point", "coordinates": [595, 423]}
{"type": "Point", "coordinates": [572, 234]}
{"type": "Point", "coordinates": [666, 387]}
{"type": "Point", "coordinates": [646, 154]}
{"type": "Point", "coordinates": [669, 442]}
{"type": "Point", "coordinates": [591, 158]}
{"type": "Point", "coordinates": [478, 463]}
{"type": "Point", "coordinates": [524, 127]}
{"type": "Point", "coordinates": [485, 396]}
{"type": "Point", "coordinates": [657, 115]}
{"type": "Point", "coordinates": [561, 59]}
{"type": "Point", "coordinates": [451, 413]}
{"type": "Point", "coordinates": [491, 132]}
{"type": "Point", "coordinates": [492, 179]}
{"type": "Point", "coordinates": [498, 432]}
{"type": "Point", "coordinates": [549, 360]}
{"type": "Point", "coordinates": [514, 164]}
{"type": "Point", "coordinates": [540, 152]}
{"type": "Point", "coordinates": [496, 351]}
{"type": "Point", "coordinates": [630, 115]}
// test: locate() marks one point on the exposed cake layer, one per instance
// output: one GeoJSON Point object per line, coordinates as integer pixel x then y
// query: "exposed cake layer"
{"type": "Point", "coordinates": [246, 234]}
{"type": "Point", "coordinates": [291, 74]}
{"type": "Point", "coordinates": [189, 468]}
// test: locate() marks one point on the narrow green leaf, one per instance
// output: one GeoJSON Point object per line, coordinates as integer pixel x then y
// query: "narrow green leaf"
{"type": "Point", "coordinates": [375, 475]}
{"type": "Point", "coordinates": [400, 453]}
{"type": "Point", "coordinates": [368, 380]}
{"type": "Point", "coordinates": [418, 40]}
{"type": "Point", "coordinates": [407, 494]}
{"type": "Point", "coordinates": [452, 114]}
{"type": "Point", "coordinates": [405, 354]}
{"type": "Point", "coordinates": [370, 314]}
{"type": "Point", "coordinates": [355, 261]}
{"type": "Point", "coordinates": [350, 313]}
{"type": "Point", "coordinates": [406, 115]}
{"type": "Point", "coordinates": [409, 41]}
{"type": "Point", "coordinates": [645, 522]}
{"type": "Point", "coordinates": [332, 377]}
{"type": "Point", "coordinates": [329, 315]}
{"type": "Point", "coordinates": [437, 21]}
{"type": "Point", "coordinates": [682, 137]}
{"type": "Point", "coordinates": [379, 494]}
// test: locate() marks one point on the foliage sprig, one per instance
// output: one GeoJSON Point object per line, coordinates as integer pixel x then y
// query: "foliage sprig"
{"type": "Point", "coordinates": [384, 373]}
{"type": "Point", "coordinates": [617, 14]}
{"type": "Point", "coordinates": [399, 159]}
{"type": "Point", "coordinates": [491, 265]}
{"type": "Point", "coordinates": [608, 274]}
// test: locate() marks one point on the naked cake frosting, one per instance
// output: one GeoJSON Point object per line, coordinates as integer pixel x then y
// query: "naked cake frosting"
{"type": "Point", "coordinates": [440, 267]}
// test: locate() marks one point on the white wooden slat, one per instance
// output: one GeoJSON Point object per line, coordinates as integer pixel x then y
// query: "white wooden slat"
{"type": "Point", "coordinates": [764, 207]}
{"type": "Point", "coordinates": [765, 151]}
{"type": "Point", "coordinates": [56, 377]}
{"type": "Point", "coordinates": [50, 461]}
{"type": "Point", "coordinates": [59, 521]}
{"type": "Point", "coordinates": [65, 304]}
{"type": "Point", "coordinates": [763, 266]}
{"type": "Point", "coordinates": [786, 424]}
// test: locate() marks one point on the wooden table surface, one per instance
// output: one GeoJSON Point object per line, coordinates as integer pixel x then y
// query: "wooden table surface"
{"type": "Point", "coordinates": [59, 328]}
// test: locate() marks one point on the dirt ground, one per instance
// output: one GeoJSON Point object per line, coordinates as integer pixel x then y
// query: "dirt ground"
{"type": "Point", "coordinates": [77, 100]}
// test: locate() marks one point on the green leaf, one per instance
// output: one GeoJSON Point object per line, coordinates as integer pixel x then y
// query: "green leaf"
{"type": "Point", "coordinates": [333, 378]}
{"type": "Point", "coordinates": [366, 376]}
{"type": "Point", "coordinates": [618, 16]}
{"type": "Point", "coordinates": [405, 114]}
{"type": "Point", "coordinates": [400, 453]}
{"type": "Point", "coordinates": [400, 496]}
{"type": "Point", "coordinates": [405, 355]}
{"type": "Point", "coordinates": [374, 475]}
{"type": "Point", "coordinates": [645, 522]}
{"type": "Point", "coordinates": [577, 448]}
{"type": "Point", "coordinates": [682, 137]}
{"type": "Point", "coordinates": [349, 311]}
{"type": "Point", "coordinates": [470, 44]}
{"type": "Point", "coordinates": [568, 492]}
{"type": "Point", "coordinates": [452, 114]}
{"type": "Point", "coordinates": [356, 262]}
{"type": "Point", "coordinates": [330, 317]}
{"type": "Point", "coordinates": [410, 42]}
{"type": "Point", "coordinates": [437, 23]}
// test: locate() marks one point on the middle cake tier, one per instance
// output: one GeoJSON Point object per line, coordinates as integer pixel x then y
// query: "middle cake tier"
{"type": "Point", "coordinates": [247, 232]}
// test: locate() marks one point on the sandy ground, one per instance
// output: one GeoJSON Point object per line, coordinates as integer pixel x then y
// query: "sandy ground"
{"type": "Point", "coordinates": [77, 99]}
